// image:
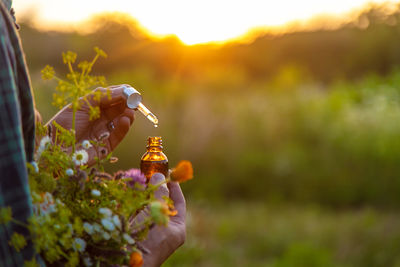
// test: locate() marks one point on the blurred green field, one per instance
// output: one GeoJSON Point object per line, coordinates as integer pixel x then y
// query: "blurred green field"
{"type": "Point", "coordinates": [256, 234]}
{"type": "Point", "coordinates": [335, 145]}
{"type": "Point", "coordinates": [295, 139]}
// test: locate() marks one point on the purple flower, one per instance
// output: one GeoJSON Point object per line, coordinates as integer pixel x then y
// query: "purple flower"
{"type": "Point", "coordinates": [137, 177]}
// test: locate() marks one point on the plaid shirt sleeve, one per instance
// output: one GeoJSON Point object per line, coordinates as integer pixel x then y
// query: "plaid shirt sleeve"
{"type": "Point", "coordinates": [16, 138]}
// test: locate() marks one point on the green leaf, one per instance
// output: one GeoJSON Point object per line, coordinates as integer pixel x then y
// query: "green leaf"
{"type": "Point", "coordinates": [5, 215]}
{"type": "Point", "coordinates": [31, 263]}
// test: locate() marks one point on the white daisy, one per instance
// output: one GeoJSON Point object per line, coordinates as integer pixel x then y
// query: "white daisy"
{"type": "Point", "coordinates": [79, 244]}
{"type": "Point", "coordinates": [87, 261]}
{"type": "Point", "coordinates": [59, 202]}
{"type": "Point", "coordinates": [35, 166]}
{"type": "Point", "coordinates": [96, 193]}
{"type": "Point", "coordinates": [48, 198]}
{"type": "Point", "coordinates": [106, 236]}
{"type": "Point", "coordinates": [117, 221]}
{"type": "Point", "coordinates": [97, 228]}
{"type": "Point", "coordinates": [88, 228]}
{"type": "Point", "coordinates": [80, 157]}
{"type": "Point", "coordinates": [44, 142]}
{"type": "Point", "coordinates": [86, 144]}
{"type": "Point", "coordinates": [108, 225]}
{"type": "Point", "coordinates": [43, 145]}
{"type": "Point", "coordinates": [69, 172]}
{"type": "Point", "coordinates": [105, 211]}
{"type": "Point", "coordinates": [128, 239]}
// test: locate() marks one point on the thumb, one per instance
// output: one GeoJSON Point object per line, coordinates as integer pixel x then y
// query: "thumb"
{"type": "Point", "coordinates": [162, 190]}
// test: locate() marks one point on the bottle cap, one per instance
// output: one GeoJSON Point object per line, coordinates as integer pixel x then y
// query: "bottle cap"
{"type": "Point", "coordinates": [133, 97]}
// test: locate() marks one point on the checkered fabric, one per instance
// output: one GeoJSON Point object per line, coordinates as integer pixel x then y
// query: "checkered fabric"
{"type": "Point", "coordinates": [17, 133]}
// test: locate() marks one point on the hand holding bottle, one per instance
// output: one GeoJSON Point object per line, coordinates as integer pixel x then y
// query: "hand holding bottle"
{"type": "Point", "coordinates": [162, 241]}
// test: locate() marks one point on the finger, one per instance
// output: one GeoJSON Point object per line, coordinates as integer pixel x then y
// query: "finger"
{"type": "Point", "coordinates": [175, 193]}
{"type": "Point", "coordinates": [117, 95]}
{"type": "Point", "coordinates": [130, 114]}
{"type": "Point", "coordinates": [162, 190]}
{"type": "Point", "coordinates": [114, 110]}
{"type": "Point", "coordinates": [111, 137]}
{"type": "Point", "coordinates": [122, 125]}
{"type": "Point", "coordinates": [112, 114]}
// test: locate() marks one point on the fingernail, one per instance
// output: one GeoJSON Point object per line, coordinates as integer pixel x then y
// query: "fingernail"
{"type": "Point", "coordinates": [157, 178]}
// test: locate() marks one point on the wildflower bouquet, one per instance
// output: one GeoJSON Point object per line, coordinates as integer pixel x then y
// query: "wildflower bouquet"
{"type": "Point", "coordinates": [82, 215]}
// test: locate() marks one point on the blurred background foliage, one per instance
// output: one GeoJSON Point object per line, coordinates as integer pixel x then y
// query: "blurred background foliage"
{"type": "Point", "coordinates": [295, 138]}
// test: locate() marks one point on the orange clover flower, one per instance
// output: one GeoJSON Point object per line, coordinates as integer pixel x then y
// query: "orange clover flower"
{"type": "Point", "coordinates": [182, 172]}
{"type": "Point", "coordinates": [136, 259]}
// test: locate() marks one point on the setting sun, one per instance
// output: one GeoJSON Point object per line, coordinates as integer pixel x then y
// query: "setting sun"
{"type": "Point", "coordinates": [192, 22]}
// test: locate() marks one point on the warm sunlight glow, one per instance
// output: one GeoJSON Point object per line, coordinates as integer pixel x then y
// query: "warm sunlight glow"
{"type": "Point", "coordinates": [192, 21]}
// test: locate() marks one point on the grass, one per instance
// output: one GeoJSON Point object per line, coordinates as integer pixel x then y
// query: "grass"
{"type": "Point", "coordinates": [255, 234]}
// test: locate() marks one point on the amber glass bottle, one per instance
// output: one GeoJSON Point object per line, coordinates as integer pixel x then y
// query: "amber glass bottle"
{"type": "Point", "coordinates": [154, 160]}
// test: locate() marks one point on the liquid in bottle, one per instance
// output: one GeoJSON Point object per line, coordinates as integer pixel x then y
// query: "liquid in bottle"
{"type": "Point", "coordinates": [154, 160]}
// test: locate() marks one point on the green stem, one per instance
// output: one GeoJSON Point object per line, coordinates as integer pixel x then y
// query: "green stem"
{"type": "Point", "coordinates": [72, 72]}
{"type": "Point", "coordinates": [73, 126]}
{"type": "Point", "coordinates": [55, 134]}
{"type": "Point", "coordinates": [140, 225]}
{"type": "Point", "coordinates": [83, 74]}
{"type": "Point", "coordinates": [87, 101]}
{"type": "Point", "coordinates": [74, 106]}
{"type": "Point", "coordinates": [156, 186]}
{"type": "Point", "coordinates": [63, 254]}
{"type": "Point", "coordinates": [20, 223]}
{"type": "Point", "coordinates": [57, 78]}
{"type": "Point", "coordinates": [92, 63]}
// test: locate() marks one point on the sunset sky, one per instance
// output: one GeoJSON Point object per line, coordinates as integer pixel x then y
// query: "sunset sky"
{"type": "Point", "coordinates": [192, 21]}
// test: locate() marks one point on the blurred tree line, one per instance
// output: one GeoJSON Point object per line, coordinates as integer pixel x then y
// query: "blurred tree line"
{"type": "Point", "coordinates": [304, 116]}
{"type": "Point", "coordinates": [369, 43]}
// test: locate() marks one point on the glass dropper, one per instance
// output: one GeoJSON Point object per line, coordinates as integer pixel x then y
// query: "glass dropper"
{"type": "Point", "coordinates": [147, 113]}
{"type": "Point", "coordinates": [134, 101]}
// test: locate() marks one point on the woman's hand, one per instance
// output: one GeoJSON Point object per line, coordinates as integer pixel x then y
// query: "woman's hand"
{"type": "Point", "coordinates": [162, 241]}
{"type": "Point", "coordinates": [111, 127]}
